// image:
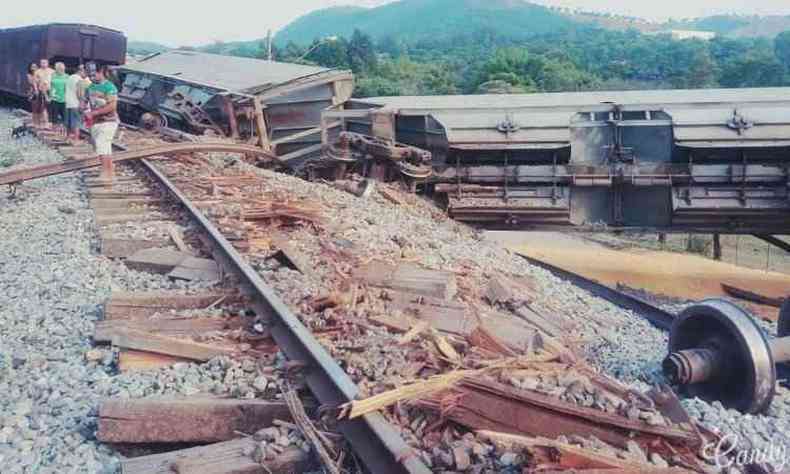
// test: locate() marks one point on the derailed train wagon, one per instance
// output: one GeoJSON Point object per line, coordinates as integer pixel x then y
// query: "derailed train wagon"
{"type": "Point", "coordinates": [672, 160]}
{"type": "Point", "coordinates": [70, 43]}
{"type": "Point", "coordinates": [276, 104]}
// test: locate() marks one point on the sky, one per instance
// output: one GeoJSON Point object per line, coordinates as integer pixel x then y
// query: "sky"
{"type": "Point", "coordinates": [190, 23]}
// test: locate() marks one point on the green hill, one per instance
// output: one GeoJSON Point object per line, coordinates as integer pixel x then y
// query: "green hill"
{"type": "Point", "coordinates": [415, 20]}
{"type": "Point", "coordinates": [144, 48]}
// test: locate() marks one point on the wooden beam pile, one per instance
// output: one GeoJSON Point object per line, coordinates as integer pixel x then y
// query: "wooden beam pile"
{"type": "Point", "coordinates": [480, 351]}
{"type": "Point", "coordinates": [151, 331]}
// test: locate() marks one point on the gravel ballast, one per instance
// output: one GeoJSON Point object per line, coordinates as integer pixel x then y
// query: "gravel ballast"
{"type": "Point", "coordinates": [53, 283]}
{"type": "Point", "coordinates": [52, 287]}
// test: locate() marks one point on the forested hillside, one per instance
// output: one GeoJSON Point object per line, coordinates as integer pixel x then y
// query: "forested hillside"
{"type": "Point", "coordinates": [499, 46]}
{"type": "Point", "coordinates": [583, 58]}
{"type": "Point", "coordinates": [417, 20]}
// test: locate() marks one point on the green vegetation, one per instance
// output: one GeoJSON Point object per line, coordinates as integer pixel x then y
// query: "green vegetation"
{"type": "Point", "coordinates": [584, 59]}
{"type": "Point", "coordinates": [418, 20]}
{"type": "Point", "coordinates": [144, 48]}
{"type": "Point", "coordinates": [428, 47]}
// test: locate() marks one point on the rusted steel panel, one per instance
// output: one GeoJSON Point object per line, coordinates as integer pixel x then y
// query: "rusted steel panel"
{"type": "Point", "coordinates": [660, 160]}
{"type": "Point", "coordinates": [191, 90]}
{"type": "Point", "coordinates": [487, 405]}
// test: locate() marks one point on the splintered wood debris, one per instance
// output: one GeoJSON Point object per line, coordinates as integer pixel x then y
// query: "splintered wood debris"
{"type": "Point", "coordinates": [459, 355]}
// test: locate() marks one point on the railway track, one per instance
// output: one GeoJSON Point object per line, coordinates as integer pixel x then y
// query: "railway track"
{"type": "Point", "coordinates": [336, 340]}
{"type": "Point", "coordinates": [657, 316]}
{"type": "Point", "coordinates": [373, 440]}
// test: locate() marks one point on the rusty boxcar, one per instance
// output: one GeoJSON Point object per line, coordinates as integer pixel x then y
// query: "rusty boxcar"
{"type": "Point", "coordinates": [201, 92]}
{"type": "Point", "coordinates": [706, 161]}
{"type": "Point", "coordinates": [70, 43]}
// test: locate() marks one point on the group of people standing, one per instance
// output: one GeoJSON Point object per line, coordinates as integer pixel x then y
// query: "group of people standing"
{"type": "Point", "coordinates": [66, 101]}
{"type": "Point", "coordinates": [57, 99]}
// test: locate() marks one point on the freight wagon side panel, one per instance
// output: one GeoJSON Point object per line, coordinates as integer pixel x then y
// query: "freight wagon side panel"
{"type": "Point", "coordinates": [18, 48]}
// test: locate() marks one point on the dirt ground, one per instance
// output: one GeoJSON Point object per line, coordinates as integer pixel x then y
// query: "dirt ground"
{"type": "Point", "coordinates": [638, 262]}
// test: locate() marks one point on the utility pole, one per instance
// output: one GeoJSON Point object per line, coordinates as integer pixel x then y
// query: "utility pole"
{"type": "Point", "coordinates": [269, 39]}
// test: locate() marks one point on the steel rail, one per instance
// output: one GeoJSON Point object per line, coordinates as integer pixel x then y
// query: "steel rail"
{"type": "Point", "coordinates": [372, 438]}
{"type": "Point", "coordinates": [657, 316]}
{"type": "Point", "coordinates": [25, 174]}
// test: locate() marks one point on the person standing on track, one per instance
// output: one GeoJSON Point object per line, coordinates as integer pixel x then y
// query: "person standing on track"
{"type": "Point", "coordinates": [75, 94]}
{"type": "Point", "coordinates": [103, 117]}
{"type": "Point", "coordinates": [44, 78]}
{"type": "Point", "coordinates": [37, 100]}
{"type": "Point", "coordinates": [57, 104]}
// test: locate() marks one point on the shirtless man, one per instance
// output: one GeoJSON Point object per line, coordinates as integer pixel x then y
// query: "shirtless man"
{"type": "Point", "coordinates": [44, 77]}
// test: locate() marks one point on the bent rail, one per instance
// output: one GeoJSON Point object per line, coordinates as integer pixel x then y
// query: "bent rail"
{"type": "Point", "coordinates": [26, 174]}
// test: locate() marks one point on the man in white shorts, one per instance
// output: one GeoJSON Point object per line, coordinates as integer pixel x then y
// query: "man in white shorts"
{"type": "Point", "coordinates": [103, 98]}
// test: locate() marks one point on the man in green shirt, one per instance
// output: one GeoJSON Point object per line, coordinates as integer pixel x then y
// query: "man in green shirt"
{"type": "Point", "coordinates": [57, 104]}
{"type": "Point", "coordinates": [103, 117]}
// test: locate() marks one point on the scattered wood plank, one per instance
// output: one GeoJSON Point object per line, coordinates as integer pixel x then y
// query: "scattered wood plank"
{"type": "Point", "coordinates": [124, 305]}
{"type": "Point", "coordinates": [156, 260]}
{"type": "Point", "coordinates": [118, 195]}
{"type": "Point", "coordinates": [178, 239]}
{"type": "Point", "coordinates": [753, 297]}
{"type": "Point", "coordinates": [413, 333]}
{"type": "Point", "coordinates": [117, 179]}
{"type": "Point", "coordinates": [141, 341]}
{"type": "Point", "coordinates": [116, 204]}
{"type": "Point", "coordinates": [446, 316]}
{"type": "Point", "coordinates": [508, 291]}
{"type": "Point", "coordinates": [391, 195]}
{"type": "Point", "coordinates": [290, 461]}
{"type": "Point", "coordinates": [424, 388]}
{"type": "Point", "coordinates": [647, 470]}
{"type": "Point", "coordinates": [396, 323]}
{"type": "Point", "coordinates": [547, 453]}
{"type": "Point", "coordinates": [483, 404]}
{"type": "Point", "coordinates": [445, 348]}
{"type": "Point", "coordinates": [289, 255]}
{"type": "Point", "coordinates": [184, 327]}
{"type": "Point", "coordinates": [537, 321]}
{"type": "Point", "coordinates": [284, 211]}
{"type": "Point", "coordinates": [137, 361]}
{"type": "Point", "coordinates": [482, 338]}
{"type": "Point", "coordinates": [196, 269]}
{"type": "Point", "coordinates": [321, 445]}
{"type": "Point", "coordinates": [228, 457]}
{"type": "Point", "coordinates": [409, 278]}
{"type": "Point", "coordinates": [514, 333]}
{"type": "Point", "coordinates": [414, 391]}
{"type": "Point", "coordinates": [184, 420]}
{"type": "Point", "coordinates": [129, 215]}
{"type": "Point", "coordinates": [125, 248]}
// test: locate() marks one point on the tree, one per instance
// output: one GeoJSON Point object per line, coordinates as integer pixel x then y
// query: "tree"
{"type": "Point", "coordinates": [361, 52]}
{"type": "Point", "coordinates": [701, 72]}
{"type": "Point", "coordinates": [389, 45]}
{"type": "Point", "coordinates": [329, 52]}
{"type": "Point", "coordinates": [782, 48]}
{"type": "Point", "coordinates": [560, 76]}
{"type": "Point", "coordinates": [755, 70]}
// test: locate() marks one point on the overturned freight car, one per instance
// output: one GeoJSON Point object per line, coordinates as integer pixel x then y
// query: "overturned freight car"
{"type": "Point", "coordinates": [275, 104]}
{"type": "Point", "coordinates": [685, 160]}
